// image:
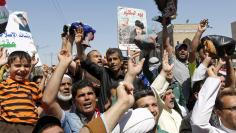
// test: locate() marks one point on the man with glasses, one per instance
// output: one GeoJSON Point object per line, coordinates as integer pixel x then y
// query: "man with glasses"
{"type": "Point", "coordinates": [224, 103]}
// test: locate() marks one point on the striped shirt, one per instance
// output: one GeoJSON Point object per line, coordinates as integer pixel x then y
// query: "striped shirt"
{"type": "Point", "coordinates": [18, 101]}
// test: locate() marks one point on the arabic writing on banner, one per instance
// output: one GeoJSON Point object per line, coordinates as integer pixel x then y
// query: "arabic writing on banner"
{"type": "Point", "coordinates": [17, 35]}
{"type": "Point", "coordinates": [131, 21]}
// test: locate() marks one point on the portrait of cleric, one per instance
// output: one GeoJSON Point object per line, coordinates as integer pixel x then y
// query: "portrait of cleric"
{"type": "Point", "coordinates": [138, 29]}
{"type": "Point", "coordinates": [127, 32]}
{"type": "Point", "coordinates": [23, 24]}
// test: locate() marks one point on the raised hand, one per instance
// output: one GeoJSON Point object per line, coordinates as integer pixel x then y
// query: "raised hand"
{"type": "Point", "coordinates": [64, 38]}
{"type": "Point", "coordinates": [203, 25]}
{"type": "Point", "coordinates": [222, 62]}
{"type": "Point", "coordinates": [125, 93]}
{"type": "Point", "coordinates": [65, 57]}
{"type": "Point", "coordinates": [3, 56]}
{"type": "Point", "coordinates": [79, 35]}
{"type": "Point", "coordinates": [134, 68]}
{"type": "Point", "coordinates": [211, 71]}
{"type": "Point", "coordinates": [166, 67]}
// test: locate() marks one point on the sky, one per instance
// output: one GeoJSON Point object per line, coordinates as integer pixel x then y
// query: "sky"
{"type": "Point", "coordinates": [47, 17]}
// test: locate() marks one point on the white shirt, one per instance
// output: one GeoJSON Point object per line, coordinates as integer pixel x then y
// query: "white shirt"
{"type": "Point", "coordinates": [203, 108]}
{"type": "Point", "coordinates": [170, 122]}
{"type": "Point", "coordinates": [199, 74]}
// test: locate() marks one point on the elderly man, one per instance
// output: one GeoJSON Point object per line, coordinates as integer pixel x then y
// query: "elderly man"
{"type": "Point", "coordinates": [183, 57]}
{"type": "Point", "coordinates": [64, 95]}
{"type": "Point", "coordinates": [170, 119]}
{"type": "Point", "coordinates": [167, 119]}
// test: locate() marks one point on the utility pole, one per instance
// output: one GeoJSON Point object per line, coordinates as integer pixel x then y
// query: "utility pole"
{"type": "Point", "coordinates": [51, 55]}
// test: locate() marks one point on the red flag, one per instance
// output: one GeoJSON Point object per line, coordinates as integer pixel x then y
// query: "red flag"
{"type": "Point", "coordinates": [2, 2]}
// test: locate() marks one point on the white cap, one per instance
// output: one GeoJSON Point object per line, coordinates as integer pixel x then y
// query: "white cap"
{"type": "Point", "coordinates": [153, 60]}
{"type": "Point", "coordinates": [139, 120]}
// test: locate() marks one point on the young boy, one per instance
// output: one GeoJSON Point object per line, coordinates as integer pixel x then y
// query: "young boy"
{"type": "Point", "coordinates": [18, 96]}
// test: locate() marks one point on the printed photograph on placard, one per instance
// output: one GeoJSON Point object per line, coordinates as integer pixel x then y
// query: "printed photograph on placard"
{"type": "Point", "coordinates": [131, 22]}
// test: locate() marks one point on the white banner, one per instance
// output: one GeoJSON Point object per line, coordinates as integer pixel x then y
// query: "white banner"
{"type": "Point", "coordinates": [131, 22]}
{"type": "Point", "coordinates": [18, 35]}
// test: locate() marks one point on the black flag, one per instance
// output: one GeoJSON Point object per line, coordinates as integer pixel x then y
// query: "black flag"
{"type": "Point", "coordinates": [168, 8]}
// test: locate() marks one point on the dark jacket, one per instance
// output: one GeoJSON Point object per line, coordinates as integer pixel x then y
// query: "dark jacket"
{"type": "Point", "coordinates": [107, 79]}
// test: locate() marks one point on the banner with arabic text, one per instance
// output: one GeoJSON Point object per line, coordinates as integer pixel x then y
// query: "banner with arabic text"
{"type": "Point", "coordinates": [131, 21]}
{"type": "Point", "coordinates": [17, 35]}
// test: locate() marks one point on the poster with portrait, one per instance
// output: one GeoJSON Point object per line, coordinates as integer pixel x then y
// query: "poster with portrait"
{"type": "Point", "coordinates": [17, 35]}
{"type": "Point", "coordinates": [131, 21]}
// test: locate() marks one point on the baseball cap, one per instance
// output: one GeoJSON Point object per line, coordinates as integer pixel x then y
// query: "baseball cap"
{"type": "Point", "coordinates": [180, 45]}
{"type": "Point", "coordinates": [46, 121]}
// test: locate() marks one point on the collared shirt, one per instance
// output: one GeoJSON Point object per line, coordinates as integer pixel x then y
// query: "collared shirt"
{"type": "Point", "coordinates": [227, 129]}
{"type": "Point", "coordinates": [18, 101]}
{"type": "Point", "coordinates": [73, 121]}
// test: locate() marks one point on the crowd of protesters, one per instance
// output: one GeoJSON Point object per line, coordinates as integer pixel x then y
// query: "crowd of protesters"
{"type": "Point", "coordinates": [191, 90]}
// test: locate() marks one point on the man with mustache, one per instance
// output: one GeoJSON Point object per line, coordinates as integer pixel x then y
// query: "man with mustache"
{"type": "Point", "coordinates": [110, 75]}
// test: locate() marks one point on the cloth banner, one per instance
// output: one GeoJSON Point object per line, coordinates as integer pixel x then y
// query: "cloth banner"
{"type": "Point", "coordinates": [17, 35]}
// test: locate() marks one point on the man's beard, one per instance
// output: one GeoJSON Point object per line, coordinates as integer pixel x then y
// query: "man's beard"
{"type": "Point", "coordinates": [63, 98]}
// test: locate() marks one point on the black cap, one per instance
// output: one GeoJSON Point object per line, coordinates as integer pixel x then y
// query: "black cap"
{"type": "Point", "coordinates": [180, 45]}
{"type": "Point", "coordinates": [46, 121]}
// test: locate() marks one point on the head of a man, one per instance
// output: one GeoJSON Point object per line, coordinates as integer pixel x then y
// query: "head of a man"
{"type": "Point", "coordinates": [95, 57]}
{"type": "Point", "coordinates": [169, 98]}
{"type": "Point", "coordinates": [181, 52]}
{"type": "Point", "coordinates": [139, 27]}
{"type": "Point", "coordinates": [146, 99]}
{"type": "Point", "coordinates": [19, 64]}
{"type": "Point", "coordinates": [222, 75]}
{"type": "Point", "coordinates": [114, 59]}
{"type": "Point", "coordinates": [64, 93]}
{"type": "Point", "coordinates": [48, 124]}
{"type": "Point", "coordinates": [225, 106]}
{"type": "Point", "coordinates": [84, 97]}
{"type": "Point", "coordinates": [37, 79]}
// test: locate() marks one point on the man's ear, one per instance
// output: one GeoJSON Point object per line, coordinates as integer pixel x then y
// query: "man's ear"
{"type": "Point", "coordinates": [218, 112]}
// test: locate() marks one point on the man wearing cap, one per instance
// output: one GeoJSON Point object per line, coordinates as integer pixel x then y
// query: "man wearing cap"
{"type": "Point", "coordinates": [183, 56]}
